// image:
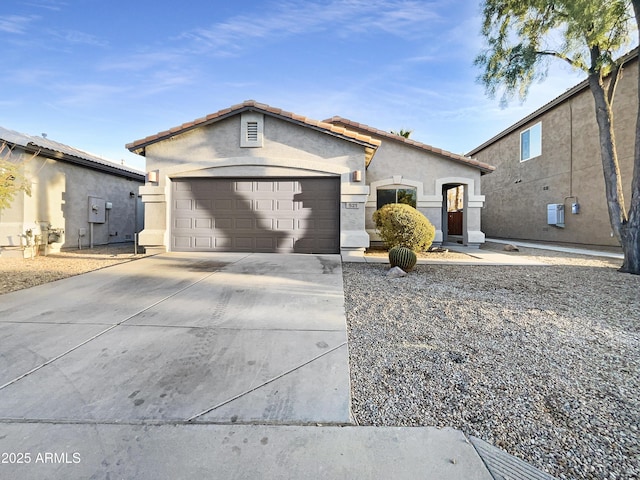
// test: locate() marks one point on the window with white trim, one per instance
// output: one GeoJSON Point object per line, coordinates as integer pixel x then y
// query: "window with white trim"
{"type": "Point", "coordinates": [531, 142]}
{"type": "Point", "coordinates": [396, 195]}
{"type": "Point", "coordinates": [251, 130]}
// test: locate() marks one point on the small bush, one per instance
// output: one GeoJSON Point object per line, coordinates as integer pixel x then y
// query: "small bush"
{"type": "Point", "coordinates": [403, 257]}
{"type": "Point", "coordinates": [402, 225]}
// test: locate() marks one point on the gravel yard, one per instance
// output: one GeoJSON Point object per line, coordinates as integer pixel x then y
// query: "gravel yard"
{"type": "Point", "coordinates": [543, 362]}
{"type": "Point", "coordinates": [19, 273]}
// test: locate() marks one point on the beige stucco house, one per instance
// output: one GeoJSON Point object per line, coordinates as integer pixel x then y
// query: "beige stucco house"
{"type": "Point", "coordinates": [549, 183]}
{"type": "Point", "coordinates": [77, 199]}
{"type": "Point", "coordinates": [256, 178]}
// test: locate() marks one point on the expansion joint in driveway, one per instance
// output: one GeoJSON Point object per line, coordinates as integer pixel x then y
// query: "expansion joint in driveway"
{"type": "Point", "coordinates": [106, 330]}
{"type": "Point", "coordinates": [277, 377]}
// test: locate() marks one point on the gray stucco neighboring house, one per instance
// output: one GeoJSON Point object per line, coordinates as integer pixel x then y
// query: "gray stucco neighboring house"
{"type": "Point", "coordinates": [256, 178]}
{"type": "Point", "coordinates": [77, 199]}
{"type": "Point", "coordinates": [549, 183]}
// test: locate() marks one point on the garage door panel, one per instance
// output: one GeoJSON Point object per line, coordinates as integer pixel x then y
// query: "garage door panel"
{"type": "Point", "coordinates": [186, 223]}
{"type": "Point", "coordinates": [181, 242]}
{"type": "Point", "coordinates": [285, 223]}
{"type": "Point", "coordinates": [285, 205]}
{"type": "Point", "coordinates": [244, 243]}
{"type": "Point", "coordinates": [287, 186]}
{"type": "Point", "coordinates": [203, 242]}
{"type": "Point", "coordinates": [244, 223]}
{"type": "Point", "coordinates": [223, 223]}
{"type": "Point", "coordinates": [243, 204]}
{"type": "Point", "coordinates": [264, 223]}
{"type": "Point", "coordinates": [262, 215]}
{"type": "Point", "coordinates": [203, 204]}
{"type": "Point", "coordinates": [222, 243]}
{"type": "Point", "coordinates": [262, 205]}
{"type": "Point", "coordinates": [265, 186]}
{"type": "Point", "coordinates": [221, 204]}
{"type": "Point", "coordinates": [206, 223]}
{"type": "Point", "coordinates": [183, 204]}
{"type": "Point", "coordinates": [285, 244]}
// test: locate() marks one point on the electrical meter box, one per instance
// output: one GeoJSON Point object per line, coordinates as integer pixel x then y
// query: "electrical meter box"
{"type": "Point", "coordinates": [555, 214]}
{"type": "Point", "coordinates": [97, 210]}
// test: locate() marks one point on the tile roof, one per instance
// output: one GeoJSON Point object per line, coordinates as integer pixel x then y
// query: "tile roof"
{"type": "Point", "coordinates": [59, 151]}
{"type": "Point", "coordinates": [138, 146]}
{"type": "Point", "coordinates": [484, 167]}
{"type": "Point", "coordinates": [570, 93]}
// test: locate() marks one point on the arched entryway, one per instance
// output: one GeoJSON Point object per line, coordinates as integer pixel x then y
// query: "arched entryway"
{"type": "Point", "coordinates": [460, 211]}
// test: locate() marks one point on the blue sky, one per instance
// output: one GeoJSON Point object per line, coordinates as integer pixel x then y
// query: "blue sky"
{"type": "Point", "coordinates": [98, 74]}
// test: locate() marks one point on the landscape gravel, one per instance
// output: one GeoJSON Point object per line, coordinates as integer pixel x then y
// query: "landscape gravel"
{"type": "Point", "coordinates": [542, 362]}
{"type": "Point", "coordinates": [19, 273]}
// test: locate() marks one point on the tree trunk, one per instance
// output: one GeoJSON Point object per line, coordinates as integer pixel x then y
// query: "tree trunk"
{"type": "Point", "coordinates": [630, 231]}
{"type": "Point", "coordinates": [610, 165]}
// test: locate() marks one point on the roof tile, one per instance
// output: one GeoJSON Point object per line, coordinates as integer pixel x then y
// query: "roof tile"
{"type": "Point", "coordinates": [485, 167]}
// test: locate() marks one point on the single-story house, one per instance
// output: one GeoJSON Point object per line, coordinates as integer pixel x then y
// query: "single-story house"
{"type": "Point", "coordinates": [549, 183]}
{"type": "Point", "coordinates": [256, 178]}
{"type": "Point", "coordinates": [77, 199]}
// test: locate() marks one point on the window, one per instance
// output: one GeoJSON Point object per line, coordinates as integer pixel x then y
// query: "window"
{"type": "Point", "coordinates": [531, 142]}
{"type": "Point", "coordinates": [396, 195]}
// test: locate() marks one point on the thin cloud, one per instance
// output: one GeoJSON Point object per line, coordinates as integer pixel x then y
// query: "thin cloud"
{"type": "Point", "coordinates": [16, 24]}
{"type": "Point", "coordinates": [54, 5]}
{"type": "Point", "coordinates": [143, 61]}
{"type": "Point", "coordinates": [340, 18]}
{"type": "Point", "coordinates": [79, 38]}
{"type": "Point", "coordinates": [82, 95]}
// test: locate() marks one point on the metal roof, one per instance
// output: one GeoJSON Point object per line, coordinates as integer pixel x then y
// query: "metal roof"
{"type": "Point", "coordinates": [59, 151]}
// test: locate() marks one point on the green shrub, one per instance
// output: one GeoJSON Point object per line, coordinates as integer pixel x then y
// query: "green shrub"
{"type": "Point", "coordinates": [402, 225]}
{"type": "Point", "coordinates": [403, 257]}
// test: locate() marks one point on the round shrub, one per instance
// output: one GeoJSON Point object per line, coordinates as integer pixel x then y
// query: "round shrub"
{"type": "Point", "coordinates": [402, 225]}
{"type": "Point", "coordinates": [403, 257]}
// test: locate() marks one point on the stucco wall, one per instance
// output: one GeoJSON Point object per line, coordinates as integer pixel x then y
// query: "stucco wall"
{"type": "Point", "coordinates": [398, 164]}
{"type": "Point", "coordinates": [517, 193]}
{"type": "Point", "coordinates": [288, 150]}
{"type": "Point", "coordinates": [60, 197]}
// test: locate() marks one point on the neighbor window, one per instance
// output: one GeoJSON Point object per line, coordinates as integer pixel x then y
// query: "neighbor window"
{"type": "Point", "coordinates": [531, 142]}
{"type": "Point", "coordinates": [396, 195]}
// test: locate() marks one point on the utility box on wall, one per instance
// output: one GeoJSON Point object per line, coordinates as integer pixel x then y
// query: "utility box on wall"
{"type": "Point", "coordinates": [97, 210]}
{"type": "Point", "coordinates": [555, 214]}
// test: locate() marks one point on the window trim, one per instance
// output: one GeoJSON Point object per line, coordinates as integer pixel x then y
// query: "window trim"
{"type": "Point", "coordinates": [396, 188]}
{"type": "Point", "coordinates": [538, 150]}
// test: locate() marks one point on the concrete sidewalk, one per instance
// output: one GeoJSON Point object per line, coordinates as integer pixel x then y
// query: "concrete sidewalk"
{"type": "Point", "coordinates": [475, 256]}
{"type": "Point", "coordinates": [202, 366]}
{"type": "Point", "coordinates": [595, 251]}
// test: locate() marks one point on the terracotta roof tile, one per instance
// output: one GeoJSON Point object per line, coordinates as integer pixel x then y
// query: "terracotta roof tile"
{"type": "Point", "coordinates": [485, 167]}
{"type": "Point", "coordinates": [139, 145]}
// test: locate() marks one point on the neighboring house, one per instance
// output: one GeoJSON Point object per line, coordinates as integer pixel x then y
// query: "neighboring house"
{"type": "Point", "coordinates": [77, 199]}
{"type": "Point", "coordinates": [256, 178]}
{"type": "Point", "coordinates": [549, 182]}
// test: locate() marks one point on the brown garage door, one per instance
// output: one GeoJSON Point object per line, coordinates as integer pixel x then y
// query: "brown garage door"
{"type": "Point", "coordinates": [285, 215]}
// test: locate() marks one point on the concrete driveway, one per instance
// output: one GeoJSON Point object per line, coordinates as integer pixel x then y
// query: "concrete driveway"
{"type": "Point", "coordinates": [180, 337]}
{"type": "Point", "coordinates": [176, 366]}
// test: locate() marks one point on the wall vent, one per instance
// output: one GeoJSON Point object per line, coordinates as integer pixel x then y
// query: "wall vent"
{"type": "Point", "coordinates": [252, 131]}
{"type": "Point", "coordinates": [252, 128]}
